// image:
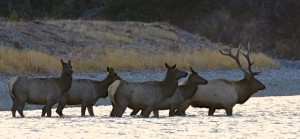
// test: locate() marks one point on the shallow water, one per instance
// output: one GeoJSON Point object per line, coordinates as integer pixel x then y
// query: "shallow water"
{"type": "Point", "coordinates": [260, 117]}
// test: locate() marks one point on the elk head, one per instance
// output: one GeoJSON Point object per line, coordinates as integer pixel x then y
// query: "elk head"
{"type": "Point", "coordinates": [195, 78]}
{"type": "Point", "coordinates": [111, 74]}
{"type": "Point", "coordinates": [175, 72]}
{"type": "Point", "coordinates": [249, 75]}
{"type": "Point", "coordinates": [67, 67]}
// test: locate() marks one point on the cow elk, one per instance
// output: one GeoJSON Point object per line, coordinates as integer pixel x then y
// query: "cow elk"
{"type": "Point", "coordinates": [41, 91]}
{"type": "Point", "coordinates": [143, 95]}
{"type": "Point", "coordinates": [86, 92]}
{"type": "Point", "coordinates": [184, 91]}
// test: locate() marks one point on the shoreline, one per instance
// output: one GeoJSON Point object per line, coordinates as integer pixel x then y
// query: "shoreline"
{"type": "Point", "coordinates": [273, 117]}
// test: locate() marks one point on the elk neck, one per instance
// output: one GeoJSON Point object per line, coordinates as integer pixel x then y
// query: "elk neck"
{"type": "Point", "coordinates": [168, 85]}
{"type": "Point", "coordinates": [65, 82]}
{"type": "Point", "coordinates": [244, 90]}
{"type": "Point", "coordinates": [188, 89]}
{"type": "Point", "coordinates": [102, 86]}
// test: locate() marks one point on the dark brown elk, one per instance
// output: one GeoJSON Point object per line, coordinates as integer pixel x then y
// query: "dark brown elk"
{"type": "Point", "coordinates": [86, 92]}
{"type": "Point", "coordinates": [225, 94]}
{"type": "Point", "coordinates": [143, 95]}
{"type": "Point", "coordinates": [184, 91]}
{"type": "Point", "coordinates": [41, 91]}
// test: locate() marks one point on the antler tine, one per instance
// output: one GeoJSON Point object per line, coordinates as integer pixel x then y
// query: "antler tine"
{"type": "Point", "coordinates": [236, 58]}
{"type": "Point", "coordinates": [247, 56]}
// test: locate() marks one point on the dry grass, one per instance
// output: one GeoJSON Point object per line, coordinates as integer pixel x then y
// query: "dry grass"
{"type": "Point", "coordinates": [12, 60]}
{"type": "Point", "coordinates": [198, 58]}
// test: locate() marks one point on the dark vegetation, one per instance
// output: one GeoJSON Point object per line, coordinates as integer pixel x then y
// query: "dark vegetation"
{"type": "Point", "coordinates": [272, 26]}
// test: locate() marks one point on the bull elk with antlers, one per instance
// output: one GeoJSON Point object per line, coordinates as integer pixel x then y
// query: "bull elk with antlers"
{"type": "Point", "coordinates": [223, 93]}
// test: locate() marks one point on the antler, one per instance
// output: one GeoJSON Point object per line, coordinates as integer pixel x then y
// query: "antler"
{"type": "Point", "coordinates": [236, 58]}
{"type": "Point", "coordinates": [247, 56]}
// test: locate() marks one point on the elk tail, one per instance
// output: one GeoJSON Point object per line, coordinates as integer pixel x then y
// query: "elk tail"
{"type": "Point", "coordinates": [11, 85]}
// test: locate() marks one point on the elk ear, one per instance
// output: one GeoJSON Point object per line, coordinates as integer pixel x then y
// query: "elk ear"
{"type": "Point", "coordinates": [167, 66]}
{"type": "Point", "coordinates": [112, 70]}
{"type": "Point", "coordinates": [174, 66]}
{"type": "Point", "coordinates": [69, 62]}
{"type": "Point", "coordinates": [192, 70]}
{"type": "Point", "coordinates": [62, 62]}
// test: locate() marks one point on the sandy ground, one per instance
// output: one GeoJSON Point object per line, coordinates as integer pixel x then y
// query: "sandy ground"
{"type": "Point", "coordinates": [260, 117]}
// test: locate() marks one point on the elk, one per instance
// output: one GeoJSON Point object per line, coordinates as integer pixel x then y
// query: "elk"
{"type": "Point", "coordinates": [184, 91]}
{"type": "Point", "coordinates": [143, 95]}
{"type": "Point", "coordinates": [223, 93]}
{"type": "Point", "coordinates": [41, 91]}
{"type": "Point", "coordinates": [86, 92]}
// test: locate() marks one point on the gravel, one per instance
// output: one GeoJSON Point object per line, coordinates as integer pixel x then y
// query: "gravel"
{"type": "Point", "coordinates": [282, 81]}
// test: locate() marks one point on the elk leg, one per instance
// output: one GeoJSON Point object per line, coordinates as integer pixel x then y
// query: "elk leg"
{"type": "Point", "coordinates": [228, 111]}
{"type": "Point", "coordinates": [172, 111]}
{"type": "Point", "coordinates": [156, 113]}
{"type": "Point", "coordinates": [83, 108]}
{"type": "Point", "coordinates": [181, 110]}
{"type": "Point", "coordinates": [146, 112]}
{"type": "Point", "coordinates": [120, 110]}
{"type": "Point", "coordinates": [14, 108]}
{"type": "Point", "coordinates": [90, 109]}
{"type": "Point", "coordinates": [21, 108]}
{"type": "Point", "coordinates": [134, 112]}
{"type": "Point", "coordinates": [121, 106]}
{"type": "Point", "coordinates": [112, 113]}
{"type": "Point", "coordinates": [211, 111]}
{"type": "Point", "coordinates": [49, 106]}
{"type": "Point", "coordinates": [44, 111]}
{"type": "Point", "coordinates": [60, 108]}
{"type": "Point", "coordinates": [61, 105]}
